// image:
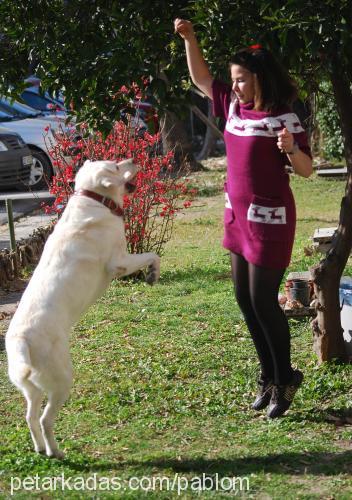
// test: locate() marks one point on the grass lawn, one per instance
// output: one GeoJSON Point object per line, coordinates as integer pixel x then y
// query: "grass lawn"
{"type": "Point", "coordinates": [164, 379]}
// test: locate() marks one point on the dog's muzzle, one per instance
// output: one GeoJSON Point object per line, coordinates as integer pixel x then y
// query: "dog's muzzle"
{"type": "Point", "coordinates": [130, 187]}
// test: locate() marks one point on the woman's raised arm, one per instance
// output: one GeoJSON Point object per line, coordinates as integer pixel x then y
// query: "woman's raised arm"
{"type": "Point", "coordinates": [198, 68]}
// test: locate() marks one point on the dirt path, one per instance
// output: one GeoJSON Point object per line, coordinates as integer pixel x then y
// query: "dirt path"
{"type": "Point", "coordinates": [9, 300]}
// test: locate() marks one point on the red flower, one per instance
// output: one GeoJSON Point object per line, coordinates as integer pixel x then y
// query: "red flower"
{"type": "Point", "coordinates": [256, 46]}
{"type": "Point", "coordinates": [151, 209]}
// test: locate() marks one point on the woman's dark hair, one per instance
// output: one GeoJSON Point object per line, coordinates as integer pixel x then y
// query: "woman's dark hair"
{"type": "Point", "coordinates": [274, 88]}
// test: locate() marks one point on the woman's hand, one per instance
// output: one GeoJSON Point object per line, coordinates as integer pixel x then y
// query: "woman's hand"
{"type": "Point", "coordinates": [184, 28]}
{"type": "Point", "coordinates": [301, 163]}
{"type": "Point", "coordinates": [285, 141]}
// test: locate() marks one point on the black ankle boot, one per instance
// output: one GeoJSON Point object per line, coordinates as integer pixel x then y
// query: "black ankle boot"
{"type": "Point", "coordinates": [282, 395]}
{"type": "Point", "coordinates": [263, 395]}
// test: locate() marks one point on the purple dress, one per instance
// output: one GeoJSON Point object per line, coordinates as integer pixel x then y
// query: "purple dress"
{"type": "Point", "coordinates": [260, 213]}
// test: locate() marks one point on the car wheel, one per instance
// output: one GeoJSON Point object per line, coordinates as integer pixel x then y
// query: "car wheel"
{"type": "Point", "coordinates": [41, 171]}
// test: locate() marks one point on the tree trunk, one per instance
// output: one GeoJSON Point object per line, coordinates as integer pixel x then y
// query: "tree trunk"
{"type": "Point", "coordinates": [327, 330]}
{"type": "Point", "coordinates": [175, 138]}
{"type": "Point", "coordinates": [210, 138]}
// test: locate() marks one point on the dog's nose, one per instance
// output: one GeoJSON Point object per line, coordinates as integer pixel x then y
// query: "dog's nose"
{"type": "Point", "coordinates": [131, 187]}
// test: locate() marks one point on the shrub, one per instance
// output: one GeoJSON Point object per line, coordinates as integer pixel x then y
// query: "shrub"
{"type": "Point", "coordinates": [160, 193]}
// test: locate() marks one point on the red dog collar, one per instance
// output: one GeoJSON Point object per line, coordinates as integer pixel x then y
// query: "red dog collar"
{"type": "Point", "coordinates": [107, 202]}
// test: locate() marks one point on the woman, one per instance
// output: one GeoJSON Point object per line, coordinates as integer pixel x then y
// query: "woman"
{"type": "Point", "coordinates": [262, 135]}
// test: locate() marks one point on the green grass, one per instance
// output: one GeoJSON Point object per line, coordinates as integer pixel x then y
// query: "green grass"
{"type": "Point", "coordinates": [164, 378]}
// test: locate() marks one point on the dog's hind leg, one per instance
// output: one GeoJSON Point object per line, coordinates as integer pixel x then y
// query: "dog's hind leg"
{"type": "Point", "coordinates": [55, 401]}
{"type": "Point", "coordinates": [34, 397]}
{"type": "Point", "coordinates": [58, 390]}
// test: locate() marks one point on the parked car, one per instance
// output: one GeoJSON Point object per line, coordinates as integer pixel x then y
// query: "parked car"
{"type": "Point", "coordinates": [39, 136]}
{"type": "Point", "coordinates": [34, 85]}
{"type": "Point", "coordinates": [15, 161]}
{"type": "Point", "coordinates": [20, 110]}
{"type": "Point", "coordinates": [44, 103]}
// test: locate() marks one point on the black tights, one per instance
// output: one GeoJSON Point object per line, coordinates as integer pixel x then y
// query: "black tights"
{"type": "Point", "coordinates": [256, 290]}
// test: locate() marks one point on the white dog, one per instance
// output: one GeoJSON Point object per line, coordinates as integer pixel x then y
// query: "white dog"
{"type": "Point", "coordinates": [86, 250]}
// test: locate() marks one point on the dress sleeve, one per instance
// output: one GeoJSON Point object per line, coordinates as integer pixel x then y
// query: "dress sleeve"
{"type": "Point", "coordinates": [293, 125]}
{"type": "Point", "coordinates": [221, 98]}
{"type": "Point", "coordinates": [302, 140]}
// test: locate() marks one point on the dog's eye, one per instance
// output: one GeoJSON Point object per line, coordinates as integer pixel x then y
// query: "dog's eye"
{"type": "Point", "coordinates": [117, 167]}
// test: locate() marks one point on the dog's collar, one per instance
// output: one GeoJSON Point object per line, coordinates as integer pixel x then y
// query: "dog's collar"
{"type": "Point", "coordinates": [107, 202]}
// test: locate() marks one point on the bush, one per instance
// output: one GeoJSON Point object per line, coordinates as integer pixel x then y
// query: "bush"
{"type": "Point", "coordinates": [160, 193]}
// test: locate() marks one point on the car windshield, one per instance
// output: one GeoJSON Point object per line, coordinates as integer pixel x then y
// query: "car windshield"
{"type": "Point", "coordinates": [12, 112]}
{"type": "Point", "coordinates": [5, 117]}
{"type": "Point", "coordinates": [16, 108]}
{"type": "Point", "coordinates": [37, 101]}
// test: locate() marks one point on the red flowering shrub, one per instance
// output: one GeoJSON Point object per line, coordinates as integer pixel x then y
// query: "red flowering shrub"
{"type": "Point", "coordinates": [160, 194]}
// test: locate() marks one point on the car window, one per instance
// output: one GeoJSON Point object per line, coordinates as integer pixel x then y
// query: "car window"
{"type": "Point", "coordinates": [11, 111]}
{"type": "Point", "coordinates": [35, 100]}
{"type": "Point", "coordinates": [5, 117]}
{"type": "Point", "coordinates": [43, 103]}
{"type": "Point", "coordinates": [16, 107]}
{"type": "Point", "coordinates": [6, 109]}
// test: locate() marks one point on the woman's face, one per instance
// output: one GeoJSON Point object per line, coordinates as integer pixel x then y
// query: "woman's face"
{"type": "Point", "coordinates": [242, 83]}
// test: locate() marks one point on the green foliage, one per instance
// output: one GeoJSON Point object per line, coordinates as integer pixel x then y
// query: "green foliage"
{"type": "Point", "coordinates": [329, 124]}
{"type": "Point", "coordinates": [89, 49]}
{"type": "Point", "coordinates": [302, 34]}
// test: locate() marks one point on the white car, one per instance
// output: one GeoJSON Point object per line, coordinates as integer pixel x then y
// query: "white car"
{"type": "Point", "coordinates": [21, 110]}
{"type": "Point", "coordinates": [38, 134]}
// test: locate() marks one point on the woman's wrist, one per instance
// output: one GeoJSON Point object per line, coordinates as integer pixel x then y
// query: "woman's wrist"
{"type": "Point", "coordinates": [301, 163]}
{"type": "Point", "coordinates": [294, 150]}
{"type": "Point", "coordinates": [191, 37]}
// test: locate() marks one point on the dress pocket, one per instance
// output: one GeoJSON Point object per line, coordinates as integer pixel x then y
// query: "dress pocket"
{"type": "Point", "coordinates": [267, 219]}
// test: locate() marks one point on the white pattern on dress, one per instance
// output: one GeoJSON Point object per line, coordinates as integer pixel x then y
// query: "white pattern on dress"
{"type": "Point", "coordinates": [266, 215]}
{"type": "Point", "coordinates": [268, 126]}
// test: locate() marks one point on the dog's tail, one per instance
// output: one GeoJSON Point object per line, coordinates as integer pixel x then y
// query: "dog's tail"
{"type": "Point", "coordinates": [19, 359]}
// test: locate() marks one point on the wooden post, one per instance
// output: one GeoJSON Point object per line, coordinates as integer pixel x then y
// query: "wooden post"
{"type": "Point", "coordinates": [11, 224]}
{"type": "Point", "coordinates": [206, 120]}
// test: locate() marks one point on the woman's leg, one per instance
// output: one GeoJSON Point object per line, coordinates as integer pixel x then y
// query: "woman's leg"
{"type": "Point", "coordinates": [264, 286]}
{"type": "Point", "coordinates": [241, 279]}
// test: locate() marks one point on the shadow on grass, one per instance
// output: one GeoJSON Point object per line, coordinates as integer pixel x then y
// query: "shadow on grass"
{"type": "Point", "coordinates": [317, 463]}
{"type": "Point", "coordinates": [291, 463]}
{"type": "Point", "coordinates": [332, 415]}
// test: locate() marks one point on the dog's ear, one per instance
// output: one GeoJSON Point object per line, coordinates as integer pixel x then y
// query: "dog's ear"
{"type": "Point", "coordinates": [125, 163]}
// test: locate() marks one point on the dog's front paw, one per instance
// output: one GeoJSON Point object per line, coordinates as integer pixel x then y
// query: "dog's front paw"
{"type": "Point", "coordinates": [153, 273]}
